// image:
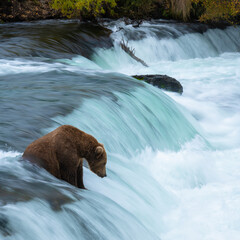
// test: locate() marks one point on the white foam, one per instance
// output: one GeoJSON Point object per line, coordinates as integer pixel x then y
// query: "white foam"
{"type": "Point", "coordinates": [190, 194]}
{"type": "Point", "coordinates": [152, 50]}
{"type": "Point", "coordinates": [206, 186]}
{"type": "Point", "coordinates": [11, 154]}
{"type": "Point", "coordinates": [21, 65]}
{"type": "Point", "coordinates": [211, 95]}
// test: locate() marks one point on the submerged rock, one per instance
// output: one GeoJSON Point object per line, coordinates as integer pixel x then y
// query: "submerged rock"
{"type": "Point", "coordinates": [4, 226]}
{"type": "Point", "coordinates": [162, 81]}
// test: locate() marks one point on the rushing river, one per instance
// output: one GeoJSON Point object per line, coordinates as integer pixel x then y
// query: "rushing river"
{"type": "Point", "coordinates": [173, 169]}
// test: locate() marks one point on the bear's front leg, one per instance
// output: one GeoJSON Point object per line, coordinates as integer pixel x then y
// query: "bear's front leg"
{"type": "Point", "coordinates": [70, 175]}
{"type": "Point", "coordinates": [80, 175]}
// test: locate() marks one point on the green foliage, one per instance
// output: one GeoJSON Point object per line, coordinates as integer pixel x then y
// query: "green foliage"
{"type": "Point", "coordinates": [216, 10]}
{"type": "Point", "coordinates": [138, 78]}
{"type": "Point", "coordinates": [96, 8]}
{"type": "Point", "coordinates": [205, 10]}
{"type": "Point", "coordinates": [92, 8]}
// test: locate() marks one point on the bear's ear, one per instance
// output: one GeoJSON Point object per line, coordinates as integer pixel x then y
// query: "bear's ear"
{"type": "Point", "coordinates": [99, 151]}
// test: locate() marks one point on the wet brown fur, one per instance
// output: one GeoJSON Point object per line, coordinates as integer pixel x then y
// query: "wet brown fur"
{"type": "Point", "coordinates": [61, 153]}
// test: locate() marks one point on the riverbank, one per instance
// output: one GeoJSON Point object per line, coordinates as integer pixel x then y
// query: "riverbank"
{"type": "Point", "coordinates": [27, 10]}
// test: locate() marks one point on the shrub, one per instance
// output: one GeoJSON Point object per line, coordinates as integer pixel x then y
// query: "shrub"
{"type": "Point", "coordinates": [86, 8]}
{"type": "Point", "coordinates": [216, 10]}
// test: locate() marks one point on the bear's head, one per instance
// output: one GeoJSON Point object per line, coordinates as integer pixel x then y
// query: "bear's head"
{"type": "Point", "coordinates": [98, 162]}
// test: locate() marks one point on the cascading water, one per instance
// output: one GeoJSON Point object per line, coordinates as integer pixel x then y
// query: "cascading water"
{"type": "Point", "coordinates": [172, 160]}
{"type": "Point", "coordinates": [158, 45]}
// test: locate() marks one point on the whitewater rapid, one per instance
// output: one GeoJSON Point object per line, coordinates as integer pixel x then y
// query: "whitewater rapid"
{"type": "Point", "coordinates": [173, 160]}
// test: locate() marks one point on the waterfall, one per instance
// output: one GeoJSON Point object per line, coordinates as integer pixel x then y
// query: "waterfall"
{"type": "Point", "coordinates": [173, 160]}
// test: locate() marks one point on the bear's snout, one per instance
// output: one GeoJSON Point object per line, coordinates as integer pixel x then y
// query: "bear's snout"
{"type": "Point", "coordinates": [105, 175]}
{"type": "Point", "coordinates": [102, 175]}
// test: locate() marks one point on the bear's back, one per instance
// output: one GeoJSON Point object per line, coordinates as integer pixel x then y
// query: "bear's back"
{"type": "Point", "coordinates": [44, 151]}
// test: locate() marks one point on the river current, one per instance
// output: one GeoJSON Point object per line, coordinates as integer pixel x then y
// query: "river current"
{"type": "Point", "coordinates": [173, 160]}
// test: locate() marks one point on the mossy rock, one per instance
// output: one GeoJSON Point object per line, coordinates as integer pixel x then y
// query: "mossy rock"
{"type": "Point", "coordinates": [162, 81]}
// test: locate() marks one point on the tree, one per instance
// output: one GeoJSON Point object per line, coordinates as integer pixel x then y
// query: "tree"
{"type": "Point", "coordinates": [91, 8]}
{"type": "Point", "coordinates": [216, 10]}
{"type": "Point", "coordinates": [205, 10]}
{"type": "Point", "coordinates": [180, 8]}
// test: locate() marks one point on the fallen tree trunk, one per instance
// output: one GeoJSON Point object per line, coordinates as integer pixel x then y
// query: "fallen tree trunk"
{"type": "Point", "coordinates": [131, 53]}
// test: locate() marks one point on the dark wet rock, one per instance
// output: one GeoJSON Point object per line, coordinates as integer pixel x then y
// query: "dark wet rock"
{"type": "Point", "coordinates": [39, 185]}
{"type": "Point", "coordinates": [4, 226]}
{"type": "Point", "coordinates": [162, 81]}
{"type": "Point", "coordinates": [92, 36]}
{"type": "Point", "coordinates": [53, 39]}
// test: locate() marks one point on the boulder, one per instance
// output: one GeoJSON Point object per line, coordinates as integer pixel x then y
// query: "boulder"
{"type": "Point", "coordinates": [162, 81]}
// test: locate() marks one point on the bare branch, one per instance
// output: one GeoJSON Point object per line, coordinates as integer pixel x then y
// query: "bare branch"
{"type": "Point", "coordinates": [131, 52]}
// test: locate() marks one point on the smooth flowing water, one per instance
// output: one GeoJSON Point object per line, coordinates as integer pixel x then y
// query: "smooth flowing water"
{"type": "Point", "coordinates": [173, 160]}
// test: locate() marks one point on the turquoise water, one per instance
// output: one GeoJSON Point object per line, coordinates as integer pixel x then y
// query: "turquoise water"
{"type": "Point", "coordinates": [173, 159]}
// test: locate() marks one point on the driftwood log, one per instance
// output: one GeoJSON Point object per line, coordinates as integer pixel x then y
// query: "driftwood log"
{"type": "Point", "coordinates": [131, 52]}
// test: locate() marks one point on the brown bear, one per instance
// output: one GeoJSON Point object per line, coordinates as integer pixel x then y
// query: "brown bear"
{"type": "Point", "coordinates": [61, 153]}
